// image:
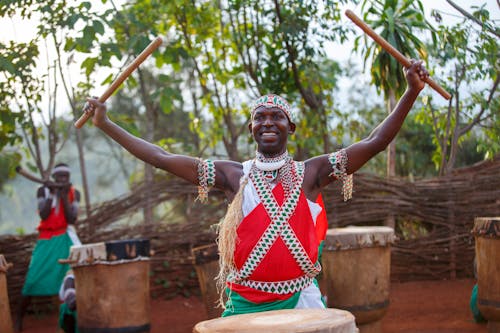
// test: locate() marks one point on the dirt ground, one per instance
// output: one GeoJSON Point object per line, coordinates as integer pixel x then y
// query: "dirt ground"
{"type": "Point", "coordinates": [415, 307]}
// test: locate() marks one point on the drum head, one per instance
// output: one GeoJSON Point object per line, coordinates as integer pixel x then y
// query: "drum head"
{"type": "Point", "coordinates": [487, 227]}
{"type": "Point", "coordinates": [127, 249]}
{"type": "Point", "coordinates": [87, 253]}
{"type": "Point", "coordinates": [358, 237]}
{"type": "Point", "coordinates": [278, 321]}
{"type": "Point", "coordinates": [109, 251]}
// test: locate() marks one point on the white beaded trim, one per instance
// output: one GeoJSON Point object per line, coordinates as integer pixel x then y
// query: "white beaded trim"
{"type": "Point", "coordinates": [338, 160]}
{"type": "Point", "coordinates": [206, 178]}
{"type": "Point", "coordinates": [278, 227]}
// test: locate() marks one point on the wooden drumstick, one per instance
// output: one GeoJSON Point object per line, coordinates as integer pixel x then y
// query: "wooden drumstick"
{"type": "Point", "coordinates": [122, 77]}
{"type": "Point", "coordinates": [392, 51]}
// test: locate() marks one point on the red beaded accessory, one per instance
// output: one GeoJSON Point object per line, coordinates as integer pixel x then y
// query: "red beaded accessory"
{"type": "Point", "coordinates": [271, 100]}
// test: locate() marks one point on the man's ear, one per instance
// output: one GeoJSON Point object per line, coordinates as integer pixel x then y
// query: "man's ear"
{"type": "Point", "coordinates": [250, 127]}
{"type": "Point", "coordinates": [291, 129]}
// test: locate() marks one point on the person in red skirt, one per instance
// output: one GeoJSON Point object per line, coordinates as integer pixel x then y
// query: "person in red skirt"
{"type": "Point", "coordinates": [58, 210]}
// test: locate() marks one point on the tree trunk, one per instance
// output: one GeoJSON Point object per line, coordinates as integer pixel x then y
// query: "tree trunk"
{"type": "Point", "coordinates": [83, 168]}
{"type": "Point", "coordinates": [83, 171]}
{"type": "Point", "coordinates": [391, 159]}
{"type": "Point", "coordinates": [391, 150]}
{"type": "Point", "coordinates": [148, 136]}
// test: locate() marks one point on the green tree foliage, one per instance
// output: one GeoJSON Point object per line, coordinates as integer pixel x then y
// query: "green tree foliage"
{"type": "Point", "coordinates": [398, 22]}
{"type": "Point", "coordinates": [468, 57]}
{"type": "Point", "coordinates": [19, 85]}
{"type": "Point", "coordinates": [26, 93]}
{"type": "Point", "coordinates": [235, 51]}
{"type": "Point", "coordinates": [217, 57]}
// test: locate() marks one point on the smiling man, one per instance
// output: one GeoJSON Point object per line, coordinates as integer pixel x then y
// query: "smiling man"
{"type": "Point", "coordinates": [268, 244]}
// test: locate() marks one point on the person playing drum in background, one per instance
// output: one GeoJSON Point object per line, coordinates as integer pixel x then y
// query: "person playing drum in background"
{"type": "Point", "coordinates": [267, 241]}
{"type": "Point", "coordinates": [58, 210]}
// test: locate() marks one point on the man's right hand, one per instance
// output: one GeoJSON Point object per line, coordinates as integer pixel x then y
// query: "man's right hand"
{"type": "Point", "coordinates": [97, 110]}
{"type": "Point", "coordinates": [50, 185]}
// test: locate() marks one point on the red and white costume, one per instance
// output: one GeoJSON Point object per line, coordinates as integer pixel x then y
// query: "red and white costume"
{"type": "Point", "coordinates": [276, 251]}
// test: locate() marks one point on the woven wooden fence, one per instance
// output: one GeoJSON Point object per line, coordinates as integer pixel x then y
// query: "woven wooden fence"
{"type": "Point", "coordinates": [434, 218]}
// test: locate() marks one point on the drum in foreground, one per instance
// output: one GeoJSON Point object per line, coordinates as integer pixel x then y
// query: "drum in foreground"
{"type": "Point", "coordinates": [112, 287]}
{"type": "Point", "coordinates": [5, 318]}
{"type": "Point", "coordinates": [486, 232]}
{"type": "Point", "coordinates": [281, 321]}
{"type": "Point", "coordinates": [206, 264]}
{"type": "Point", "coordinates": [356, 268]}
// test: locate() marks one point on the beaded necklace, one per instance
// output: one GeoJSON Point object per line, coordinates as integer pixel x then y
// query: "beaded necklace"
{"type": "Point", "coordinates": [270, 163]}
{"type": "Point", "coordinates": [280, 168]}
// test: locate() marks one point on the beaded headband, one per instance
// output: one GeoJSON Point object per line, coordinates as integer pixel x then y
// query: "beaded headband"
{"type": "Point", "coordinates": [270, 101]}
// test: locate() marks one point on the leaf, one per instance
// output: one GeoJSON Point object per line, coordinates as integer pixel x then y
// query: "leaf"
{"type": "Point", "coordinates": [98, 27]}
{"type": "Point", "coordinates": [107, 80]}
{"type": "Point", "coordinates": [85, 4]}
{"type": "Point", "coordinates": [88, 65]}
{"type": "Point", "coordinates": [6, 65]}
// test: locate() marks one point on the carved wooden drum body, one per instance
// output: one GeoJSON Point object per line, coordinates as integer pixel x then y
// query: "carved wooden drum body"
{"type": "Point", "coordinates": [5, 318]}
{"type": "Point", "coordinates": [281, 321]}
{"type": "Point", "coordinates": [206, 264]}
{"type": "Point", "coordinates": [356, 266]}
{"type": "Point", "coordinates": [487, 235]}
{"type": "Point", "coordinates": [112, 286]}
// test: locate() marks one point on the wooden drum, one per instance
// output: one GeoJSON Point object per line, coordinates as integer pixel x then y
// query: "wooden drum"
{"type": "Point", "coordinates": [206, 264]}
{"type": "Point", "coordinates": [112, 286]}
{"type": "Point", "coordinates": [280, 321]}
{"type": "Point", "coordinates": [356, 268]}
{"type": "Point", "coordinates": [5, 318]}
{"type": "Point", "coordinates": [486, 232]}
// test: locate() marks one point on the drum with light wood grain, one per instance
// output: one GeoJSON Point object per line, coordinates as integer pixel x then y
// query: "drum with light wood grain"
{"type": "Point", "coordinates": [5, 318]}
{"type": "Point", "coordinates": [206, 264]}
{"type": "Point", "coordinates": [486, 232]}
{"type": "Point", "coordinates": [356, 267]}
{"type": "Point", "coordinates": [112, 286]}
{"type": "Point", "coordinates": [281, 321]}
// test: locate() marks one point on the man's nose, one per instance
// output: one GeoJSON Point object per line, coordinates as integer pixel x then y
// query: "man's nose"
{"type": "Point", "coordinates": [268, 121]}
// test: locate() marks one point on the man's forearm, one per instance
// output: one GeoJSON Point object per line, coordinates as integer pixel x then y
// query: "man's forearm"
{"type": "Point", "coordinates": [44, 207]}
{"type": "Point", "coordinates": [138, 147]}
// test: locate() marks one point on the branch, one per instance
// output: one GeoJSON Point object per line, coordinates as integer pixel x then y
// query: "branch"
{"type": "Point", "coordinates": [309, 98]}
{"type": "Point", "coordinates": [35, 179]}
{"type": "Point", "coordinates": [472, 18]}
{"type": "Point", "coordinates": [477, 118]}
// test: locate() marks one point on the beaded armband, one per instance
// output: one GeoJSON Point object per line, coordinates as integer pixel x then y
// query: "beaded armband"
{"type": "Point", "coordinates": [338, 160]}
{"type": "Point", "coordinates": [206, 178]}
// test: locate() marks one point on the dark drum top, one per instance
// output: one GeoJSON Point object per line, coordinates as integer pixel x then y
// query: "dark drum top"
{"type": "Point", "coordinates": [127, 249]}
{"type": "Point", "coordinates": [486, 227]}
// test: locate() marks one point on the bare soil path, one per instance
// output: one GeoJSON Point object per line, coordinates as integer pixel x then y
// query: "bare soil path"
{"type": "Point", "coordinates": [415, 307]}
